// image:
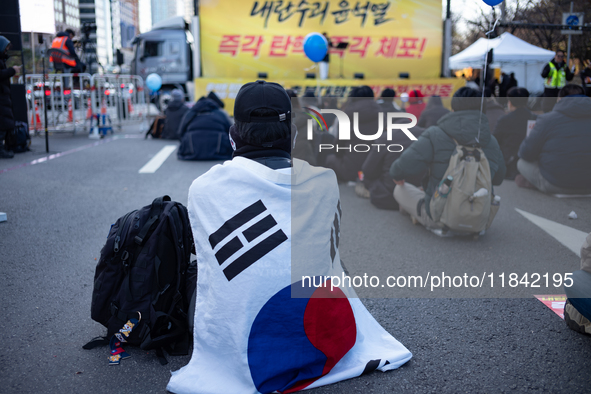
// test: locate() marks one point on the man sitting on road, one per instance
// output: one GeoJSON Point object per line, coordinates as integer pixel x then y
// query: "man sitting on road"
{"type": "Point", "coordinates": [175, 111]}
{"type": "Point", "coordinates": [556, 156]}
{"type": "Point", "coordinates": [261, 222]}
{"type": "Point", "coordinates": [511, 129]}
{"type": "Point", "coordinates": [204, 131]}
{"type": "Point", "coordinates": [432, 151]}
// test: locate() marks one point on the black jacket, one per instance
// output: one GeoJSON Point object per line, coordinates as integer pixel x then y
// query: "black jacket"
{"type": "Point", "coordinates": [204, 133]}
{"type": "Point", "coordinates": [376, 170]}
{"type": "Point", "coordinates": [561, 143]}
{"type": "Point", "coordinates": [510, 132]}
{"type": "Point", "coordinates": [494, 112]}
{"type": "Point", "coordinates": [6, 115]}
{"type": "Point", "coordinates": [347, 164]}
{"type": "Point", "coordinates": [175, 112]}
{"type": "Point", "coordinates": [432, 113]}
{"type": "Point", "coordinates": [303, 149]}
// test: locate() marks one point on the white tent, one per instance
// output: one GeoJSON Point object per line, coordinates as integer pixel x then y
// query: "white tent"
{"type": "Point", "coordinates": [512, 55]}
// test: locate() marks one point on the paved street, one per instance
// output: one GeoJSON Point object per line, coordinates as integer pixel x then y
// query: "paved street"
{"type": "Point", "coordinates": [465, 339]}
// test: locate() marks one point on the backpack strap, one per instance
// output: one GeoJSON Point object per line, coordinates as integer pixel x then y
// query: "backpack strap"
{"type": "Point", "coordinates": [96, 342]}
{"type": "Point", "coordinates": [155, 212]}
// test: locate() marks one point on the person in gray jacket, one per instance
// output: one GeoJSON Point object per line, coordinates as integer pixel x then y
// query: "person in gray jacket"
{"type": "Point", "coordinates": [433, 149]}
{"type": "Point", "coordinates": [556, 156]}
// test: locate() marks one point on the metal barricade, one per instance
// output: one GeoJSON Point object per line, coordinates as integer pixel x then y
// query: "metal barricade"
{"type": "Point", "coordinates": [119, 96]}
{"type": "Point", "coordinates": [74, 102]}
{"type": "Point", "coordinates": [65, 96]}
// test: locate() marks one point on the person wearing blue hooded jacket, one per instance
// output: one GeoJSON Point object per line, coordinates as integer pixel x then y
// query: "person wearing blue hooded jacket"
{"type": "Point", "coordinates": [555, 157]}
{"type": "Point", "coordinates": [6, 115]}
{"type": "Point", "coordinates": [204, 132]}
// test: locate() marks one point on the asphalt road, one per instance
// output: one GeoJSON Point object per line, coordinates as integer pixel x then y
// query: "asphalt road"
{"type": "Point", "coordinates": [463, 340]}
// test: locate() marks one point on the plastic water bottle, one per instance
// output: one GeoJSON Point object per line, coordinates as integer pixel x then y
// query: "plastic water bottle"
{"type": "Point", "coordinates": [481, 192]}
{"type": "Point", "coordinates": [446, 185]}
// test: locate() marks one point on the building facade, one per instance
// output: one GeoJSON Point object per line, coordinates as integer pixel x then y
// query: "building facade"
{"type": "Point", "coordinates": [67, 15]}
{"type": "Point", "coordinates": [95, 21]}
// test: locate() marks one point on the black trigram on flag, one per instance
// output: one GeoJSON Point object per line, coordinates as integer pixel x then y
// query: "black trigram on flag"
{"type": "Point", "coordinates": [335, 232]}
{"type": "Point", "coordinates": [252, 236]}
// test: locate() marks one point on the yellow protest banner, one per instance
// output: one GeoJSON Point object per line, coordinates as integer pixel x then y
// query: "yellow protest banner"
{"type": "Point", "coordinates": [240, 38]}
{"type": "Point", "coordinates": [227, 88]}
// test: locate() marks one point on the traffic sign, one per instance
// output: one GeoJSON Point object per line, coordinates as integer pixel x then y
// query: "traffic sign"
{"type": "Point", "coordinates": [574, 20]}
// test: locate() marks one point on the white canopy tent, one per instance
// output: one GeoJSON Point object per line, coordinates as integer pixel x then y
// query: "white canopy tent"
{"type": "Point", "coordinates": [511, 55]}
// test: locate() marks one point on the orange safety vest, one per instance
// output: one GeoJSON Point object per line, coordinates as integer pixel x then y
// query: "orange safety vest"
{"type": "Point", "coordinates": [60, 43]}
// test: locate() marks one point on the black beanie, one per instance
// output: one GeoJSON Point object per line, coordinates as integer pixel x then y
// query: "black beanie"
{"type": "Point", "coordinates": [361, 91]}
{"type": "Point", "coordinates": [466, 99]}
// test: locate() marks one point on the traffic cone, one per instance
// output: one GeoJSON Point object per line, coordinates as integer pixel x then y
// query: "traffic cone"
{"type": "Point", "coordinates": [129, 106]}
{"type": "Point", "coordinates": [89, 110]}
{"type": "Point", "coordinates": [36, 119]}
{"type": "Point", "coordinates": [70, 111]}
{"type": "Point", "coordinates": [103, 106]}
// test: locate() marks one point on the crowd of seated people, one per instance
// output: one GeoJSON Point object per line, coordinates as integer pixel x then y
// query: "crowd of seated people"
{"type": "Point", "coordinates": [549, 152]}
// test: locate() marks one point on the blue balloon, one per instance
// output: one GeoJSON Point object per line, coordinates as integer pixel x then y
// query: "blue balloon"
{"type": "Point", "coordinates": [315, 46]}
{"type": "Point", "coordinates": [492, 3]}
{"type": "Point", "coordinates": [154, 82]}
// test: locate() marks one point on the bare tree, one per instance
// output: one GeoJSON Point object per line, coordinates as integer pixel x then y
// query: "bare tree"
{"type": "Point", "coordinates": [531, 11]}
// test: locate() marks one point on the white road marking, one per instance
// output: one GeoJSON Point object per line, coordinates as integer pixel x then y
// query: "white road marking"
{"type": "Point", "coordinates": [154, 164]}
{"type": "Point", "coordinates": [572, 238]}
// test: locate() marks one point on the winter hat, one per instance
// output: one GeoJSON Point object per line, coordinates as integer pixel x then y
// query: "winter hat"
{"type": "Point", "coordinates": [177, 95]}
{"type": "Point", "coordinates": [466, 99]}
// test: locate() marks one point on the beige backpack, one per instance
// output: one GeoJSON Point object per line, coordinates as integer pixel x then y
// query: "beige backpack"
{"type": "Point", "coordinates": [469, 206]}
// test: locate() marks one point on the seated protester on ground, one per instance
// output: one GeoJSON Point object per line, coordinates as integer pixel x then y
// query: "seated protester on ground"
{"type": "Point", "coordinates": [376, 169]}
{"type": "Point", "coordinates": [204, 132]}
{"type": "Point", "coordinates": [386, 101]}
{"type": "Point", "coordinates": [71, 61]}
{"type": "Point", "coordinates": [330, 102]}
{"type": "Point", "coordinates": [556, 156]}
{"type": "Point", "coordinates": [577, 311]}
{"type": "Point", "coordinates": [432, 152]}
{"type": "Point", "coordinates": [432, 113]}
{"type": "Point", "coordinates": [494, 111]}
{"type": "Point", "coordinates": [250, 334]}
{"type": "Point", "coordinates": [511, 129]}
{"type": "Point", "coordinates": [322, 136]}
{"type": "Point", "coordinates": [303, 148]}
{"type": "Point", "coordinates": [344, 163]}
{"type": "Point", "coordinates": [174, 113]}
{"type": "Point", "coordinates": [416, 105]}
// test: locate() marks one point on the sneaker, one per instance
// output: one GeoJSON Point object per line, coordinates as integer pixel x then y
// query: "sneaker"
{"type": "Point", "coordinates": [361, 191]}
{"type": "Point", "coordinates": [6, 154]}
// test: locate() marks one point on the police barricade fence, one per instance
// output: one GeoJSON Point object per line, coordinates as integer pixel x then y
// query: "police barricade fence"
{"type": "Point", "coordinates": [80, 101]}
{"type": "Point", "coordinates": [65, 96]}
{"type": "Point", "coordinates": [118, 99]}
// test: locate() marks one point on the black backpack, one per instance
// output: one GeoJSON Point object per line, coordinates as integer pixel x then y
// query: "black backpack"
{"type": "Point", "coordinates": [144, 273]}
{"type": "Point", "coordinates": [18, 140]}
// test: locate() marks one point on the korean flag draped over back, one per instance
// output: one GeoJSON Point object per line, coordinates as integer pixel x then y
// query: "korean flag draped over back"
{"type": "Point", "coordinates": [259, 327]}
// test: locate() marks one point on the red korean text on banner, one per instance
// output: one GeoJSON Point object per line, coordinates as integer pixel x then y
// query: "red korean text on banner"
{"type": "Point", "coordinates": [388, 47]}
{"type": "Point", "coordinates": [252, 44]}
{"type": "Point", "coordinates": [360, 45]}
